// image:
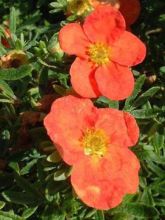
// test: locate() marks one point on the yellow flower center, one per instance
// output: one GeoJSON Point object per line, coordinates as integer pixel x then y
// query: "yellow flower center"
{"type": "Point", "coordinates": [78, 7]}
{"type": "Point", "coordinates": [95, 142]}
{"type": "Point", "coordinates": [99, 53]}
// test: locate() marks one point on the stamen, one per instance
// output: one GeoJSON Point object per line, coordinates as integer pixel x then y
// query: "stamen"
{"type": "Point", "coordinates": [95, 142]}
{"type": "Point", "coordinates": [99, 53]}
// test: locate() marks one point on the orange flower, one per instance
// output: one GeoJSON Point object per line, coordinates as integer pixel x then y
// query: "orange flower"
{"type": "Point", "coordinates": [95, 142]}
{"type": "Point", "coordinates": [130, 9]}
{"type": "Point", "coordinates": [104, 51]}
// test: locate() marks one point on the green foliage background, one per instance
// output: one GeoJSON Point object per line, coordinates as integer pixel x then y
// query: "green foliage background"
{"type": "Point", "coordinates": [34, 182]}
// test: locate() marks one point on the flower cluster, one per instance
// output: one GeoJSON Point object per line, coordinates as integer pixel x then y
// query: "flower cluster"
{"type": "Point", "coordinates": [96, 141]}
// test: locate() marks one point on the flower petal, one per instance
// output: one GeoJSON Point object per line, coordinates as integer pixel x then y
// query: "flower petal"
{"type": "Point", "coordinates": [130, 10]}
{"type": "Point", "coordinates": [65, 123]}
{"type": "Point", "coordinates": [102, 184]}
{"type": "Point", "coordinates": [104, 25]}
{"type": "Point", "coordinates": [121, 127]}
{"type": "Point", "coordinates": [73, 40]}
{"type": "Point", "coordinates": [128, 50]}
{"type": "Point", "coordinates": [114, 81]}
{"type": "Point", "coordinates": [82, 78]}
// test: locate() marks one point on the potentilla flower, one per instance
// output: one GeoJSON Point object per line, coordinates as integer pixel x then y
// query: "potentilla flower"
{"type": "Point", "coordinates": [130, 9]}
{"type": "Point", "coordinates": [95, 142]}
{"type": "Point", "coordinates": [104, 51]}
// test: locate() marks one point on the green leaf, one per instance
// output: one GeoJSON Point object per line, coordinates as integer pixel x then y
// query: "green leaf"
{"type": "Point", "coordinates": [52, 213]}
{"type": "Point", "coordinates": [9, 216]}
{"type": "Point", "coordinates": [15, 74]}
{"type": "Point", "coordinates": [99, 215]}
{"type": "Point", "coordinates": [160, 202]}
{"type": "Point", "coordinates": [158, 141]}
{"type": "Point", "coordinates": [13, 20]}
{"type": "Point", "coordinates": [113, 104]}
{"type": "Point", "coordinates": [144, 113]}
{"type": "Point", "coordinates": [162, 71]}
{"type": "Point", "coordinates": [137, 210]}
{"type": "Point", "coordinates": [27, 168]}
{"type": "Point", "coordinates": [122, 216]}
{"type": "Point", "coordinates": [103, 101]}
{"type": "Point", "coordinates": [139, 83]}
{"type": "Point", "coordinates": [54, 157]}
{"type": "Point", "coordinates": [6, 101]}
{"type": "Point", "coordinates": [61, 175]}
{"type": "Point", "coordinates": [29, 212]}
{"type": "Point", "coordinates": [141, 210]}
{"type": "Point", "coordinates": [6, 89]}
{"type": "Point", "coordinates": [14, 166]}
{"type": "Point", "coordinates": [58, 5]}
{"type": "Point", "coordinates": [147, 197]}
{"type": "Point", "coordinates": [158, 187]}
{"type": "Point", "coordinates": [21, 198]}
{"type": "Point", "coordinates": [2, 204]}
{"type": "Point", "coordinates": [25, 185]}
{"type": "Point", "coordinates": [156, 169]}
{"type": "Point", "coordinates": [141, 100]}
{"type": "Point", "coordinates": [90, 214]}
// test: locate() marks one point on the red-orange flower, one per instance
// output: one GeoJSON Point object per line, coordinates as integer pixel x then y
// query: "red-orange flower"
{"type": "Point", "coordinates": [104, 51]}
{"type": "Point", "coordinates": [95, 142]}
{"type": "Point", "coordinates": [130, 9]}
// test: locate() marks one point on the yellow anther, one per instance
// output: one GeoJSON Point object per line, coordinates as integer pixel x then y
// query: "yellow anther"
{"type": "Point", "coordinates": [99, 53]}
{"type": "Point", "coordinates": [95, 142]}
